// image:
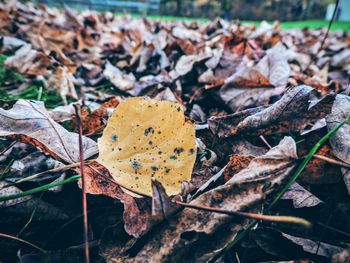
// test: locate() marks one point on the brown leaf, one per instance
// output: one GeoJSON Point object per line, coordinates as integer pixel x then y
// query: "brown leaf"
{"type": "Point", "coordinates": [119, 79]}
{"type": "Point", "coordinates": [162, 205]}
{"type": "Point", "coordinates": [252, 86]}
{"type": "Point", "coordinates": [29, 122]}
{"type": "Point", "coordinates": [137, 212]}
{"type": "Point", "coordinates": [93, 123]}
{"type": "Point", "coordinates": [342, 256]}
{"type": "Point", "coordinates": [186, 63]}
{"type": "Point", "coordinates": [291, 113]}
{"type": "Point", "coordinates": [318, 248]}
{"type": "Point", "coordinates": [301, 197]}
{"type": "Point", "coordinates": [319, 171]}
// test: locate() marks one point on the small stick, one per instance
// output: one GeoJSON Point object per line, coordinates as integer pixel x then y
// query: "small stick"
{"type": "Point", "coordinates": [280, 219]}
{"type": "Point", "coordinates": [265, 141]}
{"type": "Point", "coordinates": [332, 161]}
{"type": "Point", "coordinates": [81, 154]}
{"type": "Point", "coordinates": [325, 36]}
{"type": "Point", "coordinates": [334, 229]}
{"type": "Point", "coordinates": [7, 147]}
{"type": "Point", "coordinates": [23, 241]}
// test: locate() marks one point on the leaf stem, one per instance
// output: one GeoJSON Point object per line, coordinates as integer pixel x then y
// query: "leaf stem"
{"type": "Point", "coordinates": [81, 155]}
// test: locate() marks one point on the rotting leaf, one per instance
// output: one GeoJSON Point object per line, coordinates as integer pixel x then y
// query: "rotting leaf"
{"type": "Point", "coordinates": [236, 164]}
{"type": "Point", "coordinates": [29, 122]}
{"type": "Point", "coordinates": [147, 139]}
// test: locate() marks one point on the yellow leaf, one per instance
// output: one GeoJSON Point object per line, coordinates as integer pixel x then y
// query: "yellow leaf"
{"type": "Point", "coordinates": [148, 139]}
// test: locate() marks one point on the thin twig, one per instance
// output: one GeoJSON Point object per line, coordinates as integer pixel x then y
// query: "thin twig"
{"type": "Point", "coordinates": [8, 147]}
{"type": "Point", "coordinates": [23, 241]}
{"type": "Point", "coordinates": [325, 36]}
{"type": "Point", "coordinates": [81, 155]}
{"type": "Point", "coordinates": [334, 229]}
{"type": "Point", "coordinates": [265, 141]}
{"type": "Point", "coordinates": [281, 219]}
{"type": "Point", "coordinates": [38, 175]}
{"type": "Point", "coordinates": [332, 161]}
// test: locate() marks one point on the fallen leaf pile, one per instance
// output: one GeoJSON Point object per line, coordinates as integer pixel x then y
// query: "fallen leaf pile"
{"type": "Point", "coordinates": [215, 114]}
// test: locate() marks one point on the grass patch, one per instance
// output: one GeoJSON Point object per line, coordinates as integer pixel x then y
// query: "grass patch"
{"type": "Point", "coordinates": [35, 91]}
{"type": "Point", "coordinates": [7, 74]}
{"type": "Point", "coordinates": [313, 24]}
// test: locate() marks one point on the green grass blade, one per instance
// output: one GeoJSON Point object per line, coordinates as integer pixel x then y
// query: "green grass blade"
{"type": "Point", "coordinates": [297, 173]}
{"type": "Point", "coordinates": [6, 170]}
{"type": "Point", "coordinates": [307, 160]}
{"type": "Point", "coordinates": [39, 189]}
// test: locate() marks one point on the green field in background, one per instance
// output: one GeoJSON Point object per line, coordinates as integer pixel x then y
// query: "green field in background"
{"type": "Point", "coordinates": [286, 25]}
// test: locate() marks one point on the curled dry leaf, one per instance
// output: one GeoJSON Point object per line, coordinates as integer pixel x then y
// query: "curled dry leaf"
{"type": "Point", "coordinates": [120, 80]}
{"type": "Point", "coordinates": [162, 204]}
{"type": "Point", "coordinates": [94, 122]}
{"type": "Point", "coordinates": [340, 141]}
{"type": "Point", "coordinates": [186, 63]}
{"type": "Point", "coordinates": [301, 197]}
{"type": "Point", "coordinates": [140, 215]}
{"type": "Point", "coordinates": [292, 113]}
{"type": "Point", "coordinates": [186, 34]}
{"type": "Point", "coordinates": [29, 61]}
{"type": "Point", "coordinates": [29, 122]}
{"type": "Point", "coordinates": [63, 82]}
{"type": "Point", "coordinates": [199, 235]}
{"type": "Point", "coordinates": [147, 139]}
{"type": "Point", "coordinates": [255, 85]}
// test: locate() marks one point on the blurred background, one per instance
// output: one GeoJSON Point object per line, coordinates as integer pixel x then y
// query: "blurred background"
{"type": "Point", "coordinates": [251, 10]}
